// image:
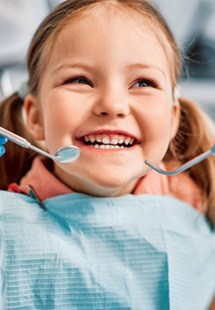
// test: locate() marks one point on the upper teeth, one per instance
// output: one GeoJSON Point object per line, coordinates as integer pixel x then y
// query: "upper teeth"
{"type": "Point", "coordinates": [104, 139]}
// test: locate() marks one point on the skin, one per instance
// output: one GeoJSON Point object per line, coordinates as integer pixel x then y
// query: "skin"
{"type": "Point", "coordinates": [106, 81]}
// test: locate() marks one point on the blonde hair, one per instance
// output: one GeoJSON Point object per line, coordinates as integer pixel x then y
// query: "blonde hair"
{"type": "Point", "coordinates": [194, 135]}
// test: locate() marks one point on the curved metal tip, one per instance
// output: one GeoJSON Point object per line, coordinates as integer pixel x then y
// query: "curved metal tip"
{"type": "Point", "coordinates": [161, 171]}
{"type": "Point", "coordinates": [184, 167]}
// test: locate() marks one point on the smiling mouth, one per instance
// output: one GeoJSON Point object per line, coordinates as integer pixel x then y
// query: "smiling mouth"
{"type": "Point", "coordinates": [104, 141]}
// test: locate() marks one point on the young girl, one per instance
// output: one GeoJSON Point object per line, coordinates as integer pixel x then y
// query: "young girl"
{"type": "Point", "coordinates": [103, 77]}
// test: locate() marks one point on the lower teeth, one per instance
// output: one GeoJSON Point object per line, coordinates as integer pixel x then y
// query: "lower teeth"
{"type": "Point", "coordinates": [108, 146]}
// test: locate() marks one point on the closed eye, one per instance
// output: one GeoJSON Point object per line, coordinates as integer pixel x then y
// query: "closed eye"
{"type": "Point", "coordinates": [78, 80]}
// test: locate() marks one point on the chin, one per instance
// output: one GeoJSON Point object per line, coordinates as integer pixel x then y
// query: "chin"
{"type": "Point", "coordinates": [112, 187]}
{"type": "Point", "coordinates": [99, 182]}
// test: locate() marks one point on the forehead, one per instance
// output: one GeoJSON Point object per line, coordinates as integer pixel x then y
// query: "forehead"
{"type": "Point", "coordinates": [109, 9]}
{"type": "Point", "coordinates": [108, 19]}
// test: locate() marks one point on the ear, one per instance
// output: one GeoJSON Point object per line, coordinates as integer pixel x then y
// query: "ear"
{"type": "Point", "coordinates": [34, 121]}
{"type": "Point", "coordinates": [176, 111]}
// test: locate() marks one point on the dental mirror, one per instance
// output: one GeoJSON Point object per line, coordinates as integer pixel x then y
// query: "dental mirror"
{"type": "Point", "coordinates": [63, 155]}
{"type": "Point", "coordinates": [184, 167]}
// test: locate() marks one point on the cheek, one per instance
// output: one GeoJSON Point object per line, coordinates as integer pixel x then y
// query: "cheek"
{"type": "Point", "coordinates": [62, 117]}
{"type": "Point", "coordinates": [57, 122]}
{"type": "Point", "coordinates": [63, 109]}
{"type": "Point", "coordinates": [156, 132]}
{"type": "Point", "coordinates": [156, 122]}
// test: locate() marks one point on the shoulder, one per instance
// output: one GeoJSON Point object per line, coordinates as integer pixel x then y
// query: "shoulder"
{"type": "Point", "coordinates": [16, 206]}
{"type": "Point", "coordinates": [11, 197]}
{"type": "Point", "coordinates": [173, 214]}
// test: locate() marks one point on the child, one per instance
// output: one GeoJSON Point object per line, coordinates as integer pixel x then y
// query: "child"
{"type": "Point", "coordinates": [102, 76]}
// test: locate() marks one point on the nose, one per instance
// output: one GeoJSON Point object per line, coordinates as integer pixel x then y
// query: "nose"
{"type": "Point", "coordinates": [113, 104]}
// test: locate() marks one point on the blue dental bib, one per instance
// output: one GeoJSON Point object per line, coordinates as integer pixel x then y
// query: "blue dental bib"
{"type": "Point", "coordinates": [132, 252]}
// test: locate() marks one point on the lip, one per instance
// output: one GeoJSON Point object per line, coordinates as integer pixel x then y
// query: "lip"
{"type": "Point", "coordinates": [109, 133]}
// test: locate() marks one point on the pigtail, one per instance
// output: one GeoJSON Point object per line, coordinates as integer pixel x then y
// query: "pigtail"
{"type": "Point", "coordinates": [17, 161]}
{"type": "Point", "coordinates": [196, 134]}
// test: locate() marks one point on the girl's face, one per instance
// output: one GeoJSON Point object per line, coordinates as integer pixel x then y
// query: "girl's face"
{"type": "Point", "coordinates": [106, 88]}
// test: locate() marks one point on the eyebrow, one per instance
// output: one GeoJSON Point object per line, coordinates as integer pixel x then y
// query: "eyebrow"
{"type": "Point", "coordinates": [81, 65]}
{"type": "Point", "coordinates": [146, 66]}
{"type": "Point", "coordinates": [78, 65]}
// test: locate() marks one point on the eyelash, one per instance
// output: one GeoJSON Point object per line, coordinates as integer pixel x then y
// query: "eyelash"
{"type": "Point", "coordinates": [76, 78]}
{"type": "Point", "coordinates": [150, 82]}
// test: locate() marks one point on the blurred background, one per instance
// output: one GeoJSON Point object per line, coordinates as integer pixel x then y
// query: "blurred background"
{"type": "Point", "coordinates": [192, 23]}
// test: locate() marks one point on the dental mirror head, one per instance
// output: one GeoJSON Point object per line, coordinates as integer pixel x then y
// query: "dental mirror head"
{"type": "Point", "coordinates": [67, 154]}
